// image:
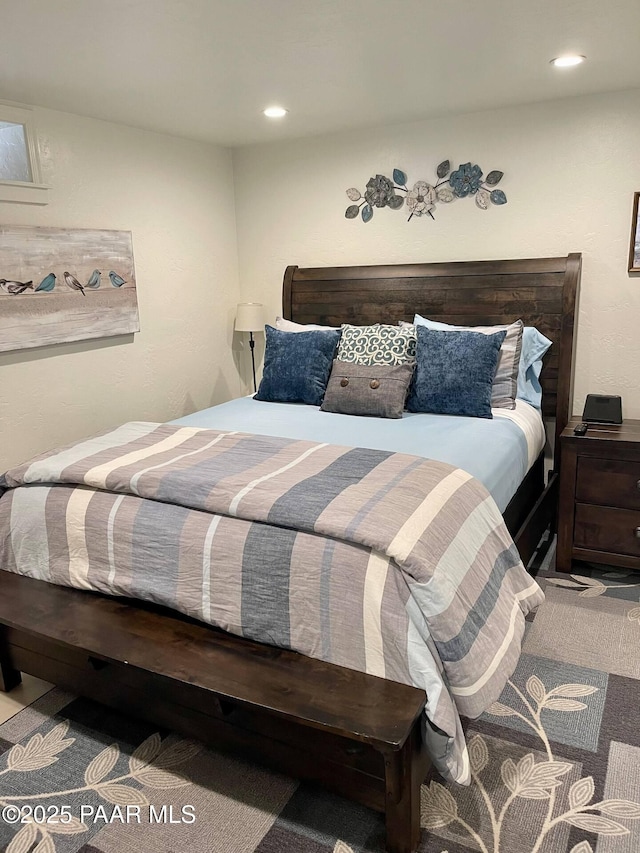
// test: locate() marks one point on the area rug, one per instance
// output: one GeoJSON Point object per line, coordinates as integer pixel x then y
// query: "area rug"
{"type": "Point", "coordinates": [555, 762]}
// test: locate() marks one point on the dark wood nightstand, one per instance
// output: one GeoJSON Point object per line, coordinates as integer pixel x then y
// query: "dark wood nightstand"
{"type": "Point", "coordinates": [599, 505]}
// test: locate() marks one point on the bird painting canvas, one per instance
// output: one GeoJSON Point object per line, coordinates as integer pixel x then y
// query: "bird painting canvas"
{"type": "Point", "coordinates": [61, 284]}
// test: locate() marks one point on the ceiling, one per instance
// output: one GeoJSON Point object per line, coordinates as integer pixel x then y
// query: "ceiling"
{"type": "Point", "coordinates": [205, 69]}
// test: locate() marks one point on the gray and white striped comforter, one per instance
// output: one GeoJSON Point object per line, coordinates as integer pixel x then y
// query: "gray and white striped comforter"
{"type": "Point", "coordinates": [382, 562]}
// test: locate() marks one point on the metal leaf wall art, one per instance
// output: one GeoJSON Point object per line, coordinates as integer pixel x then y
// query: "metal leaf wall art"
{"type": "Point", "coordinates": [421, 200]}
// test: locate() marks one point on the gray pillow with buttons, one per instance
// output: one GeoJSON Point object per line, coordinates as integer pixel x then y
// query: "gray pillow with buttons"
{"type": "Point", "coordinates": [376, 390]}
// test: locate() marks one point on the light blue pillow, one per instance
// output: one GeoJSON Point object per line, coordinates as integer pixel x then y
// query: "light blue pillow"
{"type": "Point", "coordinates": [534, 346]}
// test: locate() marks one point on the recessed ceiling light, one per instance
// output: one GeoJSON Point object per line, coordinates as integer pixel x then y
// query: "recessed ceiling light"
{"type": "Point", "coordinates": [275, 112]}
{"type": "Point", "coordinates": [568, 61]}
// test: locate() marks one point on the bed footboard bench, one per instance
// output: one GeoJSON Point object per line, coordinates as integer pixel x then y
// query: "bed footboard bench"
{"type": "Point", "coordinates": [354, 733]}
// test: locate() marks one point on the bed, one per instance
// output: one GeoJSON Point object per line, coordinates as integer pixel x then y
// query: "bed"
{"type": "Point", "coordinates": [542, 292]}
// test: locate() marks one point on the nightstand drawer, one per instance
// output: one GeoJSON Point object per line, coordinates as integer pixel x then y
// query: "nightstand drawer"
{"type": "Point", "coordinates": [608, 482]}
{"type": "Point", "coordinates": [601, 528]}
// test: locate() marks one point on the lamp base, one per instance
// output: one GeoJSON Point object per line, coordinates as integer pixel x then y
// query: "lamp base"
{"type": "Point", "coordinates": [252, 345]}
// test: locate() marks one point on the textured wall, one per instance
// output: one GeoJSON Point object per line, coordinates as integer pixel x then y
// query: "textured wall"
{"type": "Point", "coordinates": [571, 168]}
{"type": "Point", "coordinates": [177, 199]}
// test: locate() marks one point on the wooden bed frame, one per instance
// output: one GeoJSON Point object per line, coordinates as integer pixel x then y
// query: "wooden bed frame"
{"type": "Point", "coordinates": [543, 292]}
{"type": "Point", "coordinates": [355, 733]}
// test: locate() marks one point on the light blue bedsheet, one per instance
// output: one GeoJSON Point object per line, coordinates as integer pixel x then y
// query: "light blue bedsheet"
{"type": "Point", "coordinates": [498, 452]}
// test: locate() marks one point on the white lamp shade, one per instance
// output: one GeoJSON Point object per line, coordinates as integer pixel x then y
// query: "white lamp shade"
{"type": "Point", "coordinates": [250, 317]}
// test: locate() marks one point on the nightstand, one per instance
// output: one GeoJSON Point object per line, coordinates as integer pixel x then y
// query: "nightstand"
{"type": "Point", "coordinates": [599, 505]}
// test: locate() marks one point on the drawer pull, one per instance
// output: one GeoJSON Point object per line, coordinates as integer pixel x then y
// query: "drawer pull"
{"type": "Point", "coordinates": [637, 532]}
{"type": "Point", "coordinates": [638, 485]}
{"type": "Point", "coordinates": [98, 664]}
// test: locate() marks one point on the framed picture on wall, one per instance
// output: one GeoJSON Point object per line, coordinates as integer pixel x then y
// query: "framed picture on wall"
{"type": "Point", "coordinates": [65, 284]}
{"type": "Point", "coordinates": [634, 247]}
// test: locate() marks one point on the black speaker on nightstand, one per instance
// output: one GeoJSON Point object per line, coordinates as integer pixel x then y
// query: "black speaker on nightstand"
{"type": "Point", "coordinates": [602, 409]}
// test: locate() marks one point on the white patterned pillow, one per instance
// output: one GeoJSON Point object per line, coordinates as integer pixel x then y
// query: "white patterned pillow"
{"type": "Point", "coordinates": [377, 344]}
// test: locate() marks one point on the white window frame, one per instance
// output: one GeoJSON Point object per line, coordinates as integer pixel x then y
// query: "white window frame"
{"type": "Point", "coordinates": [24, 192]}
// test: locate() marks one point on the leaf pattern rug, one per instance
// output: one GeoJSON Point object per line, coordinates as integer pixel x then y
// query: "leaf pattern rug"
{"type": "Point", "coordinates": [555, 762]}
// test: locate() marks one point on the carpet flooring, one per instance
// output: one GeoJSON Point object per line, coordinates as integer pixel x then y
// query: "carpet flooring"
{"type": "Point", "coordinates": [556, 762]}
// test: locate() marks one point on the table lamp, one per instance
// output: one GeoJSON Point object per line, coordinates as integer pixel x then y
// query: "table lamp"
{"type": "Point", "coordinates": [249, 318]}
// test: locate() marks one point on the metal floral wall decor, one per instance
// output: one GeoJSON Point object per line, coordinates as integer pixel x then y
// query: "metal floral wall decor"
{"type": "Point", "coordinates": [421, 200]}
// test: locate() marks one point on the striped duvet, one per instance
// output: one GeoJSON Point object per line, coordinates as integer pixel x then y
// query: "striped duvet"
{"type": "Point", "coordinates": [382, 562]}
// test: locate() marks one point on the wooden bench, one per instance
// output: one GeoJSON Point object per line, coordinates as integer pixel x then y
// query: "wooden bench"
{"type": "Point", "coordinates": [357, 734]}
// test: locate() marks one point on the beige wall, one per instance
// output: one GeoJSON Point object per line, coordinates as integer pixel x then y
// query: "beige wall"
{"type": "Point", "coordinates": [177, 198]}
{"type": "Point", "coordinates": [571, 168]}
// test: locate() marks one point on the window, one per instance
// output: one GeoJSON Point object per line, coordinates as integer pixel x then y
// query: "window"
{"type": "Point", "coordinates": [20, 178]}
{"type": "Point", "coordinates": [14, 155]}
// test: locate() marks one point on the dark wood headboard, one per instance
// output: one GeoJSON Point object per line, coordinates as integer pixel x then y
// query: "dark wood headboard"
{"type": "Point", "coordinates": [543, 292]}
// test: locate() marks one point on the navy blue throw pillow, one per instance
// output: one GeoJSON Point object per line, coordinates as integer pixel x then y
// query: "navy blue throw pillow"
{"type": "Point", "coordinates": [454, 372]}
{"type": "Point", "coordinates": [297, 366]}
